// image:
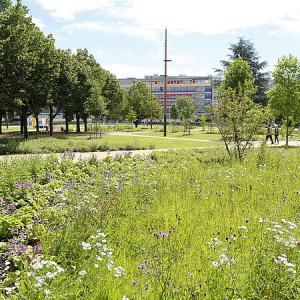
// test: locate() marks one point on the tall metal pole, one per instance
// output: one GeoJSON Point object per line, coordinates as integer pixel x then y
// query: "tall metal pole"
{"type": "Point", "coordinates": [165, 87]}
{"type": "Point", "coordinates": [151, 104]}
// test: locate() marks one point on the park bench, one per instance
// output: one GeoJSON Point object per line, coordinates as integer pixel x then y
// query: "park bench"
{"type": "Point", "coordinates": [57, 128]}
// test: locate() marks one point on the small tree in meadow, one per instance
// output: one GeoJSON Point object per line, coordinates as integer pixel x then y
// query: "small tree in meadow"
{"type": "Point", "coordinates": [131, 116]}
{"type": "Point", "coordinates": [186, 107]}
{"type": "Point", "coordinates": [174, 114]}
{"type": "Point", "coordinates": [284, 98]}
{"type": "Point", "coordinates": [238, 118]}
{"type": "Point", "coordinates": [203, 121]}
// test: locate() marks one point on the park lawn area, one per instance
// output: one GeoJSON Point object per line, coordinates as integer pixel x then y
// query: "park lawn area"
{"type": "Point", "coordinates": [197, 134]}
{"type": "Point", "coordinates": [84, 143]}
{"type": "Point", "coordinates": [156, 142]}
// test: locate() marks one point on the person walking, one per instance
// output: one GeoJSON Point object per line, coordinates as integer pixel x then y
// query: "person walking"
{"type": "Point", "coordinates": [269, 133]}
{"type": "Point", "coordinates": [276, 133]}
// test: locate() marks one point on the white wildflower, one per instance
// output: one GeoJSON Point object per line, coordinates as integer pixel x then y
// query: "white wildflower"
{"type": "Point", "coordinates": [82, 273]}
{"type": "Point", "coordinates": [291, 270]}
{"type": "Point", "coordinates": [47, 292]}
{"type": "Point", "coordinates": [9, 290]}
{"type": "Point", "coordinates": [86, 246]}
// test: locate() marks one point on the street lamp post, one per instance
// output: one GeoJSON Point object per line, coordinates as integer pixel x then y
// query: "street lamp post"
{"type": "Point", "coordinates": [165, 86]}
{"type": "Point", "coordinates": [151, 116]}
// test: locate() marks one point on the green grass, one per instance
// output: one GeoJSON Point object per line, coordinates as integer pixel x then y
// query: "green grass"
{"type": "Point", "coordinates": [196, 134]}
{"type": "Point", "coordinates": [85, 144]}
{"type": "Point", "coordinates": [186, 224]}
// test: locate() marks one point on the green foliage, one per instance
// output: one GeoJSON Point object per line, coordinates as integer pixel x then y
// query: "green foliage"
{"type": "Point", "coordinates": [185, 224]}
{"type": "Point", "coordinates": [131, 116]}
{"type": "Point", "coordinates": [285, 96]}
{"type": "Point", "coordinates": [141, 101]}
{"type": "Point", "coordinates": [238, 118]}
{"type": "Point", "coordinates": [245, 49]}
{"type": "Point", "coordinates": [28, 62]}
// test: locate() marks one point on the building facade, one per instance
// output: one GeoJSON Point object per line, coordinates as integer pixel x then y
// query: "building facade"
{"type": "Point", "coordinates": [199, 88]}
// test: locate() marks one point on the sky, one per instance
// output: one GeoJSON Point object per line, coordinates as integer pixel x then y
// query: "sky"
{"type": "Point", "coordinates": [127, 37]}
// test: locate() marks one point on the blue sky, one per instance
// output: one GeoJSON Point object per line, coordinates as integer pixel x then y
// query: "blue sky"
{"type": "Point", "coordinates": [127, 36]}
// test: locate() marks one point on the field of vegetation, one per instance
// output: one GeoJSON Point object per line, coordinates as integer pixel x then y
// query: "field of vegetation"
{"type": "Point", "coordinates": [90, 142]}
{"type": "Point", "coordinates": [186, 224]}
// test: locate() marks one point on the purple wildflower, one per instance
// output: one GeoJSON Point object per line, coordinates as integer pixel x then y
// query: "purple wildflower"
{"type": "Point", "coordinates": [284, 196]}
{"type": "Point", "coordinates": [191, 275]}
{"type": "Point", "coordinates": [1, 200]}
{"type": "Point", "coordinates": [37, 249]}
{"type": "Point", "coordinates": [18, 185]}
{"type": "Point", "coordinates": [176, 291]}
{"type": "Point", "coordinates": [22, 248]}
{"type": "Point", "coordinates": [133, 283]}
{"type": "Point", "coordinates": [141, 266]}
{"type": "Point", "coordinates": [247, 220]}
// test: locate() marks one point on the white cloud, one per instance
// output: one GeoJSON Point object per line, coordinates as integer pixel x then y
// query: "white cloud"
{"type": "Point", "coordinates": [276, 33]}
{"type": "Point", "coordinates": [125, 71]}
{"type": "Point", "coordinates": [87, 25]}
{"type": "Point", "coordinates": [145, 33]}
{"type": "Point", "coordinates": [206, 17]}
{"type": "Point", "coordinates": [66, 9]}
{"type": "Point", "coordinates": [183, 58]}
{"type": "Point", "coordinates": [101, 53]}
{"type": "Point", "coordinates": [38, 23]}
{"type": "Point", "coordinates": [118, 27]}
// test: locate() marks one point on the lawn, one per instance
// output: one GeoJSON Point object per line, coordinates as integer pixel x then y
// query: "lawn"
{"type": "Point", "coordinates": [83, 143]}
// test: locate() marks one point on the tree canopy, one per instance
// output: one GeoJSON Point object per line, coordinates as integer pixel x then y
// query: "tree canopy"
{"type": "Point", "coordinates": [285, 96]}
{"type": "Point", "coordinates": [140, 101]}
{"type": "Point", "coordinates": [238, 118]}
{"type": "Point", "coordinates": [245, 49]}
{"type": "Point", "coordinates": [34, 75]}
{"type": "Point", "coordinates": [27, 62]}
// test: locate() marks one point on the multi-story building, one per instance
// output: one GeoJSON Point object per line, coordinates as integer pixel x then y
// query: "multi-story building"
{"type": "Point", "coordinates": [199, 88]}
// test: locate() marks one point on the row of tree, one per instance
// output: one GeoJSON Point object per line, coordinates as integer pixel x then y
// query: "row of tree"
{"type": "Point", "coordinates": [34, 75]}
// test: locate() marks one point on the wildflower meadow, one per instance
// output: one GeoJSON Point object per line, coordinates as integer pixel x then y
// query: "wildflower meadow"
{"type": "Point", "coordinates": [184, 224]}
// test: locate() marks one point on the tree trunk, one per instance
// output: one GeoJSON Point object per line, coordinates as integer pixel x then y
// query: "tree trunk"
{"type": "Point", "coordinates": [37, 123]}
{"type": "Point", "coordinates": [51, 120]}
{"type": "Point", "coordinates": [287, 132]}
{"type": "Point", "coordinates": [2, 113]}
{"type": "Point", "coordinates": [67, 122]}
{"type": "Point", "coordinates": [77, 123]}
{"type": "Point", "coordinates": [22, 124]}
{"type": "Point", "coordinates": [24, 118]}
{"type": "Point", "coordinates": [85, 123]}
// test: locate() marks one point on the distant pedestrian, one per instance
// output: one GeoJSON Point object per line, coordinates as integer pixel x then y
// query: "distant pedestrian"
{"type": "Point", "coordinates": [269, 133]}
{"type": "Point", "coordinates": [276, 133]}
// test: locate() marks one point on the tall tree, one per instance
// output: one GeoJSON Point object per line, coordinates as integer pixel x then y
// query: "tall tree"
{"type": "Point", "coordinates": [186, 107]}
{"type": "Point", "coordinates": [245, 49]}
{"type": "Point", "coordinates": [238, 118]}
{"type": "Point", "coordinates": [285, 96]}
{"type": "Point", "coordinates": [140, 101]}
{"type": "Point", "coordinates": [114, 96]}
{"type": "Point", "coordinates": [64, 85]}
{"type": "Point", "coordinates": [27, 67]}
{"type": "Point", "coordinates": [88, 93]}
